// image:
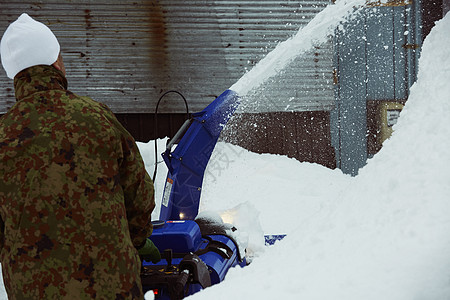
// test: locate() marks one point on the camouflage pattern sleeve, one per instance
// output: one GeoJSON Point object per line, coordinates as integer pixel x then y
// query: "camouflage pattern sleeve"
{"type": "Point", "coordinates": [2, 234]}
{"type": "Point", "coordinates": [137, 187]}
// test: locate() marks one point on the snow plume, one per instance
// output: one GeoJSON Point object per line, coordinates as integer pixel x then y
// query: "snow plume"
{"type": "Point", "coordinates": [316, 31]}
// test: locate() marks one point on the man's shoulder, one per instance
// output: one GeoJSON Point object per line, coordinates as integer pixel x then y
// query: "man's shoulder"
{"type": "Point", "coordinates": [87, 104]}
{"type": "Point", "coordinates": [84, 99]}
{"type": "Point", "coordinates": [90, 107]}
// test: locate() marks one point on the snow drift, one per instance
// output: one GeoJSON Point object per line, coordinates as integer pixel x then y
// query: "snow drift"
{"type": "Point", "coordinates": [381, 235]}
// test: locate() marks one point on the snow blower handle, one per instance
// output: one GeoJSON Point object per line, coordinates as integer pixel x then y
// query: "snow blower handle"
{"type": "Point", "coordinates": [181, 282]}
{"type": "Point", "coordinates": [180, 133]}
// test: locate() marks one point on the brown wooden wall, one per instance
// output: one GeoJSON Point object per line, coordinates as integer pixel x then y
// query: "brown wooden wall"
{"type": "Point", "coordinates": [142, 126]}
{"type": "Point", "coordinates": [304, 136]}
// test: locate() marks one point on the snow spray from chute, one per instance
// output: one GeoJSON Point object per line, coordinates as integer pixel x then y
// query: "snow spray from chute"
{"type": "Point", "coordinates": [316, 31]}
{"type": "Point", "coordinates": [188, 162]}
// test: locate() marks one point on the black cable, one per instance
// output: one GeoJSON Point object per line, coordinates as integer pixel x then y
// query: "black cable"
{"type": "Point", "coordinates": [156, 125]}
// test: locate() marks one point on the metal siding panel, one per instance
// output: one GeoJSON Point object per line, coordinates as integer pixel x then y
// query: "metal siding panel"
{"type": "Point", "coordinates": [352, 96]}
{"type": "Point", "coordinates": [400, 76]}
{"type": "Point", "coordinates": [380, 64]}
{"type": "Point", "coordinates": [127, 53]}
{"type": "Point", "coordinates": [414, 37]}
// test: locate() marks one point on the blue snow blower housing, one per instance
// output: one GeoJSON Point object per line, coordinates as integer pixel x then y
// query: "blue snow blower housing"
{"type": "Point", "coordinates": [187, 162]}
{"type": "Point", "coordinates": [196, 253]}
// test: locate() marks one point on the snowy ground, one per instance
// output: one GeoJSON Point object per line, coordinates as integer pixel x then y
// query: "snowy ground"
{"type": "Point", "coordinates": [381, 235]}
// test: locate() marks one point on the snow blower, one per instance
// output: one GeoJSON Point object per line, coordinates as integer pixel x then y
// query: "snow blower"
{"type": "Point", "coordinates": [196, 252]}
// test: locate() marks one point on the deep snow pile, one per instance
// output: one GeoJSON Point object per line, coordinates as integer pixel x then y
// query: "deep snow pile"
{"type": "Point", "coordinates": [384, 234]}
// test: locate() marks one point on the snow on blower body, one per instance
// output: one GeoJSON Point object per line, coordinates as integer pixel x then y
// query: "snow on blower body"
{"type": "Point", "coordinates": [196, 253]}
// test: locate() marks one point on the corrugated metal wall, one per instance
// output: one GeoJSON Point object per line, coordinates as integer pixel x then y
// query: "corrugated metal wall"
{"type": "Point", "coordinates": [127, 53]}
{"type": "Point", "coordinates": [304, 136]}
{"type": "Point", "coordinates": [105, 46]}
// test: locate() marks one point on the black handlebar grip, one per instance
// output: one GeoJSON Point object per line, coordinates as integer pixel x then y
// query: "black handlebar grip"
{"type": "Point", "coordinates": [182, 280]}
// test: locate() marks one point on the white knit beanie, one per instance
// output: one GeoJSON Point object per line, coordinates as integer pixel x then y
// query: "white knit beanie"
{"type": "Point", "coordinates": [27, 43]}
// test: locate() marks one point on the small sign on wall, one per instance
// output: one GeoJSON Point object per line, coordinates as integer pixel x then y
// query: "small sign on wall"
{"type": "Point", "coordinates": [392, 116]}
{"type": "Point", "coordinates": [388, 114]}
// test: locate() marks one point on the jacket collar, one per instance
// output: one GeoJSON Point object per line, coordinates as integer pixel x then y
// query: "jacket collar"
{"type": "Point", "coordinates": [37, 79]}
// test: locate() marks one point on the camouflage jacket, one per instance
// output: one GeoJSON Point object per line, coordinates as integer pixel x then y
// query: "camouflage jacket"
{"type": "Point", "coordinates": [75, 199]}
